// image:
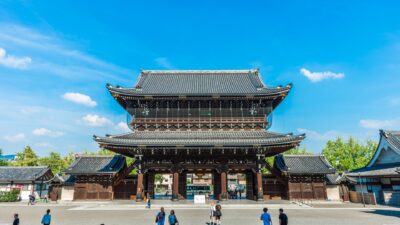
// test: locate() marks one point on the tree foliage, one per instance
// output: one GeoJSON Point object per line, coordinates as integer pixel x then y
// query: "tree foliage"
{"type": "Point", "coordinates": [2, 162]}
{"type": "Point", "coordinates": [349, 155]}
{"type": "Point", "coordinates": [54, 161]}
{"type": "Point", "coordinates": [27, 157]}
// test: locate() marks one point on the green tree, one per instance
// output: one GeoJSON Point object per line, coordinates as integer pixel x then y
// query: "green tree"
{"type": "Point", "coordinates": [27, 157]}
{"type": "Point", "coordinates": [349, 155]}
{"type": "Point", "coordinates": [54, 161]}
{"type": "Point", "coordinates": [2, 162]}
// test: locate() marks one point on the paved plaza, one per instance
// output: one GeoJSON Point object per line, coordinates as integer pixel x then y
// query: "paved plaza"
{"type": "Point", "coordinates": [189, 214]}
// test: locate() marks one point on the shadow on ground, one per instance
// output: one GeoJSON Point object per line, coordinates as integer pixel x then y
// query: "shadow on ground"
{"type": "Point", "coordinates": [385, 212]}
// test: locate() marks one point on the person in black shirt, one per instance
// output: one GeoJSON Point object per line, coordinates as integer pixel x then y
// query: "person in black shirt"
{"type": "Point", "coordinates": [283, 219]}
{"type": "Point", "coordinates": [16, 219]}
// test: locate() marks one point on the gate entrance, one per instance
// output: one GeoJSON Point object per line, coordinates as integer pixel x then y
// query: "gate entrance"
{"type": "Point", "coordinates": [199, 184]}
{"type": "Point", "coordinates": [162, 188]}
{"type": "Point", "coordinates": [237, 186]}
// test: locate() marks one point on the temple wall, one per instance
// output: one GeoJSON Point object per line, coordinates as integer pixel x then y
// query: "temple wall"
{"type": "Point", "coordinates": [332, 192]}
{"type": "Point", "coordinates": [67, 193]}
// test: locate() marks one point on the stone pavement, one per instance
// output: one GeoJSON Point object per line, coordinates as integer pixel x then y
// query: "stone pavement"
{"type": "Point", "coordinates": [127, 212]}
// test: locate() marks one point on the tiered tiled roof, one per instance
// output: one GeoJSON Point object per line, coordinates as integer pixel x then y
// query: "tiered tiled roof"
{"type": "Point", "coordinates": [200, 138]}
{"type": "Point", "coordinates": [91, 164]}
{"type": "Point", "coordinates": [303, 164]}
{"type": "Point", "coordinates": [23, 173]}
{"type": "Point", "coordinates": [198, 83]}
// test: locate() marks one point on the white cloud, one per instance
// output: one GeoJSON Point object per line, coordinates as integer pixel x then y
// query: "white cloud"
{"type": "Point", "coordinates": [314, 135]}
{"type": "Point", "coordinates": [94, 120]}
{"type": "Point", "coordinates": [163, 62]}
{"type": "Point", "coordinates": [47, 132]}
{"type": "Point", "coordinates": [13, 61]}
{"type": "Point", "coordinates": [319, 76]}
{"type": "Point", "coordinates": [14, 138]}
{"type": "Point", "coordinates": [380, 124]}
{"type": "Point", "coordinates": [123, 127]}
{"type": "Point", "coordinates": [44, 145]}
{"type": "Point", "coordinates": [79, 98]}
{"type": "Point", "coordinates": [57, 56]}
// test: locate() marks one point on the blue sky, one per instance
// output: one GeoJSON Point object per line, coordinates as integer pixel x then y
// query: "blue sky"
{"type": "Point", "coordinates": [343, 58]}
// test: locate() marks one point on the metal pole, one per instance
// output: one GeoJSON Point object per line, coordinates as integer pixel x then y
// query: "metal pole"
{"type": "Point", "coordinates": [362, 194]}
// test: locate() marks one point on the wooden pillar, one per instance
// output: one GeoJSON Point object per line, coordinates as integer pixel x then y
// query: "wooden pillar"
{"type": "Point", "coordinates": [260, 193]}
{"type": "Point", "coordinates": [175, 186]}
{"type": "Point", "coordinates": [224, 183]}
{"type": "Point", "coordinates": [139, 190]}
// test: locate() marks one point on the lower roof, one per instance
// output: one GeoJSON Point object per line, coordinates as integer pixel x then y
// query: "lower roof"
{"type": "Point", "coordinates": [303, 164]}
{"type": "Point", "coordinates": [199, 139]}
{"type": "Point", "coordinates": [23, 173]}
{"type": "Point", "coordinates": [96, 164]}
{"type": "Point", "coordinates": [392, 169]}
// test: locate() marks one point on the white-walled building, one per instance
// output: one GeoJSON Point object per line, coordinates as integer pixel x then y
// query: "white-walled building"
{"type": "Point", "coordinates": [28, 179]}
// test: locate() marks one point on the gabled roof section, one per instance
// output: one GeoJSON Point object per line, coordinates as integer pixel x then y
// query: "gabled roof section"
{"type": "Point", "coordinates": [389, 139]}
{"type": "Point", "coordinates": [303, 164]}
{"type": "Point", "coordinates": [96, 164]}
{"type": "Point", "coordinates": [24, 173]}
{"type": "Point", "coordinates": [198, 83]}
{"type": "Point", "coordinates": [393, 137]}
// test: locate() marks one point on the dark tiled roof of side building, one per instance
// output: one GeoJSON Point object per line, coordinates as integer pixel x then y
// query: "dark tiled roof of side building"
{"type": "Point", "coordinates": [303, 164]}
{"type": "Point", "coordinates": [95, 164]}
{"type": "Point", "coordinates": [200, 82]}
{"type": "Point", "coordinates": [22, 173]}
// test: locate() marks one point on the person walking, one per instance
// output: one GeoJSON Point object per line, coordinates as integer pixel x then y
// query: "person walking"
{"type": "Point", "coordinates": [46, 220]}
{"type": "Point", "coordinates": [283, 219]}
{"type": "Point", "coordinates": [265, 217]}
{"type": "Point", "coordinates": [16, 219]}
{"type": "Point", "coordinates": [160, 218]}
{"type": "Point", "coordinates": [212, 211]}
{"type": "Point", "coordinates": [148, 199]}
{"type": "Point", "coordinates": [218, 214]}
{"type": "Point", "coordinates": [172, 220]}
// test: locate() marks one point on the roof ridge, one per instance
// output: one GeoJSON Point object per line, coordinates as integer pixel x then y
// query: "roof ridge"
{"type": "Point", "coordinates": [198, 71]}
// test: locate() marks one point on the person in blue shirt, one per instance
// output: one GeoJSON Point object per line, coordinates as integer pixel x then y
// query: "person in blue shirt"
{"type": "Point", "coordinates": [265, 217]}
{"type": "Point", "coordinates": [160, 218]}
{"type": "Point", "coordinates": [46, 220]}
{"type": "Point", "coordinates": [172, 218]}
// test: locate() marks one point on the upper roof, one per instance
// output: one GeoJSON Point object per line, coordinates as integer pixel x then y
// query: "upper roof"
{"type": "Point", "coordinates": [303, 164]}
{"type": "Point", "coordinates": [23, 173]}
{"type": "Point", "coordinates": [96, 164]}
{"type": "Point", "coordinates": [393, 137]}
{"type": "Point", "coordinates": [199, 82]}
{"type": "Point", "coordinates": [199, 138]}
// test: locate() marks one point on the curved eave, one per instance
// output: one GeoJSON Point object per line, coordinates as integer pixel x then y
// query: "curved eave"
{"type": "Point", "coordinates": [124, 94]}
{"type": "Point", "coordinates": [111, 141]}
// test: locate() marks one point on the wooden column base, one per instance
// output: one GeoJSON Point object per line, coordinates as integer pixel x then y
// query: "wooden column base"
{"type": "Point", "coordinates": [175, 187]}
{"type": "Point", "coordinates": [139, 190]}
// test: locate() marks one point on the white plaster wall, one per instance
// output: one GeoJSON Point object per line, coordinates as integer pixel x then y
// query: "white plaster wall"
{"type": "Point", "coordinates": [67, 193]}
{"type": "Point", "coordinates": [332, 191]}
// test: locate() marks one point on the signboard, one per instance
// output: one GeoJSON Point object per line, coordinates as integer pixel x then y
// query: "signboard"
{"type": "Point", "coordinates": [199, 199]}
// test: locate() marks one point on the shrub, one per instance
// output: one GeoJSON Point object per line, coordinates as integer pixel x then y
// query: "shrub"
{"type": "Point", "coordinates": [9, 196]}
